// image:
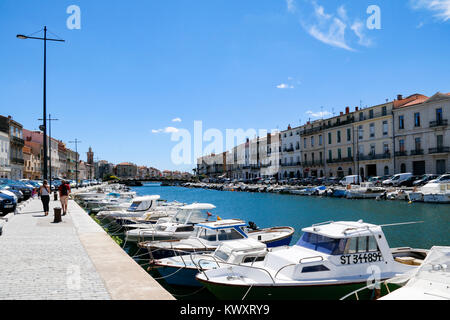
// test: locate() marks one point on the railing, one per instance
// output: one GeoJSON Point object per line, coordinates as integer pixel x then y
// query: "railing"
{"type": "Point", "coordinates": [18, 141]}
{"type": "Point", "coordinates": [401, 153]}
{"type": "Point", "coordinates": [373, 156]}
{"type": "Point", "coordinates": [312, 163]}
{"type": "Point", "coordinates": [17, 160]}
{"type": "Point", "coordinates": [438, 123]}
{"type": "Point", "coordinates": [291, 164]}
{"type": "Point", "coordinates": [288, 149]}
{"type": "Point", "coordinates": [348, 159]}
{"type": "Point", "coordinates": [439, 150]}
{"type": "Point", "coordinates": [416, 152]}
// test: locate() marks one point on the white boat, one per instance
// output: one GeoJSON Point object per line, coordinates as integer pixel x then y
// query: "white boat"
{"type": "Point", "coordinates": [144, 207]}
{"type": "Point", "coordinates": [207, 236]}
{"type": "Point", "coordinates": [181, 270]}
{"type": "Point", "coordinates": [365, 190]}
{"type": "Point", "coordinates": [431, 281]}
{"type": "Point", "coordinates": [330, 260]}
{"type": "Point", "coordinates": [180, 226]}
{"type": "Point", "coordinates": [441, 195]}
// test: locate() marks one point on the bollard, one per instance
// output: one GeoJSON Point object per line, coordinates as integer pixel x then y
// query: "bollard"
{"type": "Point", "coordinates": [57, 212]}
{"type": "Point", "coordinates": [55, 195]}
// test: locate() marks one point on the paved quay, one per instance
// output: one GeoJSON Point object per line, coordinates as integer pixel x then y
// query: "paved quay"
{"type": "Point", "coordinates": [71, 260]}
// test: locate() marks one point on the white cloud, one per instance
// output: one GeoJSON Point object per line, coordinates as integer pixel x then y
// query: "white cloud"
{"type": "Point", "coordinates": [165, 130]}
{"type": "Point", "coordinates": [332, 28]}
{"type": "Point", "coordinates": [440, 7]}
{"type": "Point", "coordinates": [291, 5]}
{"type": "Point", "coordinates": [318, 114]}
{"type": "Point", "coordinates": [358, 28]}
{"type": "Point", "coordinates": [334, 36]}
{"type": "Point", "coordinates": [285, 86]}
{"type": "Point", "coordinates": [176, 120]}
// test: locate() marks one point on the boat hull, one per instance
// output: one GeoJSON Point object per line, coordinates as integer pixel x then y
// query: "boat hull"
{"type": "Point", "coordinates": [316, 292]}
{"type": "Point", "coordinates": [179, 276]}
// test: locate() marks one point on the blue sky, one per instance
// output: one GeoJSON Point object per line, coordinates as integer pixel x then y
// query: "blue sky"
{"type": "Point", "coordinates": [134, 66]}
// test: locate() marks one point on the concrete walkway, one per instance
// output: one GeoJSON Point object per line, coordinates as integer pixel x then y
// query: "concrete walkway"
{"type": "Point", "coordinates": [74, 259]}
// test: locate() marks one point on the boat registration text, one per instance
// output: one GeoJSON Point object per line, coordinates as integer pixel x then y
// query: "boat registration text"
{"type": "Point", "coordinates": [361, 258]}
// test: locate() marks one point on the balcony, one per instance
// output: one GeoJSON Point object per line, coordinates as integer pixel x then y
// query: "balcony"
{"type": "Point", "coordinates": [439, 150]}
{"type": "Point", "coordinates": [341, 160]}
{"type": "Point", "coordinates": [17, 141]}
{"type": "Point", "coordinates": [438, 123]}
{"type": "Point", "coordinates": [312, 163]}
{"type": "Point", "coordinates": [416, 152]}
{"type": "Point", "coordinates": [291, 164]}
{"type": "Point", "coordinates": [17, 161]}
{"type": "Point", "coordinates": [288, 149]}
{"type": "Point", "coordinates": [401, 153]}
{"type": "Point", "coordinates": [373, 156]}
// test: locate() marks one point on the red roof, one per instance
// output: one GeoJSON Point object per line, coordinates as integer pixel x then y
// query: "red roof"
{"type": "Point", "coordinates": [410, 101]}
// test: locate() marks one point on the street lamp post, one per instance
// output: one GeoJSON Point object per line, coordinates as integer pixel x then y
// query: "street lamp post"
{"type": "Point", "coordinates": [21, 36]}
{"type": "Point", "coordinates": [50, 119]}
{"type": "Point", "coordinates": [76, 156]}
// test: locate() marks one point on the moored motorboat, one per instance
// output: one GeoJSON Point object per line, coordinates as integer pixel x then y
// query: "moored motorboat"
{"type": "Point", "coordinates": [179, 226]}
{"type": "Point", "coordinates": [182, 269]}
{"type": "Point", "coordinates": [209, 235]}
{"type": "Point", "coordinates": [329, 260]}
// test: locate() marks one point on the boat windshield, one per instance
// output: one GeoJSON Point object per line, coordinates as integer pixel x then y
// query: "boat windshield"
{"type": "Point", "coordinates": [322, 243]}
{"type": "Point", "coordinates": [190, 216]}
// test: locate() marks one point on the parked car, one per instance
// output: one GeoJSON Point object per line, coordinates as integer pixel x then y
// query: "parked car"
{"type": "Point", "coordinates": [396, 179]}
{"type": "Point", "coordinates": [424, 179]}
{"type": "Point", "coordinates": [377, 180]}
{"type": "Point", "coordinates": [7, 203]}
{"type": "Point", "coordinates": [18, 186]}
{"type": "Point", "coordinates": [353, 179]}
{"type": "Point", "coordinates": [444, 178]}
{"type": "Point", "coordinates": [17, 195]}
{"type": "Point", "coordinates": [331, 181]}
{"type": "Point", "coordinates": [408, 182]}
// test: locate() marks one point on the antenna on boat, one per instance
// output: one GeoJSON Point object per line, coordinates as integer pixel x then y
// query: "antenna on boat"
{"type": "Point", "coordinates": [400, 223]}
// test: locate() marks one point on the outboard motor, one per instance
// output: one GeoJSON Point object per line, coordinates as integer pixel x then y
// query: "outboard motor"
{"type": "Point", "coordinates": [252, 225]}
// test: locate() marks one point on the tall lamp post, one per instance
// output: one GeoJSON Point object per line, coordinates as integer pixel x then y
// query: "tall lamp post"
{"type": "Point", "coordinates": [50, 119]}
{"type": "Point", "coordinates": [76, 155]}
{"type": "Point", "coordinates": [21, 36]}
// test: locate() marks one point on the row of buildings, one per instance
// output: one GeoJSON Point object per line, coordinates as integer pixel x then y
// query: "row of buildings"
{"type": "Point", "coordinates": [408, 134]}
{"type": "Point", "coordinates": [22, 153]}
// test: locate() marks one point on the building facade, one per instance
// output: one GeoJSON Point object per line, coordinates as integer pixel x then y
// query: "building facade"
{"type": "Point", "coordinates": [5, 169]}
{"type": "Point", "coordinates": [126, 170]}
{"type": "Point", "coordinates": [422, 135]}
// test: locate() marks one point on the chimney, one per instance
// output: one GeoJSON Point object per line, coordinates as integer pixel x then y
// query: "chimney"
{"type": "Point", "coordinates": [342, 113]}
{"type": "Point", "coordinates": [399, 97]}
{"type": "Point", "coordinates": [356, 108]}
{"type": "Point", "coordinates": [347, 110]}
{"type": "Point", "coordinates": [289, 127]}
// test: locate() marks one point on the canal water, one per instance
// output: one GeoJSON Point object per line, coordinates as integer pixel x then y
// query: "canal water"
{"type": "Point", "coordinates": [268, 209]}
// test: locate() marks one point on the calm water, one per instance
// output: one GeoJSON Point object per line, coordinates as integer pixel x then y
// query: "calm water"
{"type": "Point", "coordinates": [267, 210]}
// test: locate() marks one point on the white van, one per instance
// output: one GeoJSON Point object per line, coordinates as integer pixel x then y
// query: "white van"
{"type": "Point", "coordinates": [355, 179]}
{"type": "Point", "coordinates": [396, 179]}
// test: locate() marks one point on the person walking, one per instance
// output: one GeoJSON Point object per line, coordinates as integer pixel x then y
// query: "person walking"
{"type": "Point", "coordinates": [64, 191]}
{"type": "Point", "coordinates": [44, 192]}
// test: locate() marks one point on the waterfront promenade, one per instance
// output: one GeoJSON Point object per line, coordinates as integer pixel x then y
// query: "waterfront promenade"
{"type": "Point", "coordinates": [74, 259]}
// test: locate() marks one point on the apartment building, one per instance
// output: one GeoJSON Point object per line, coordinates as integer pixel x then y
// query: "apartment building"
{"type": "Point", "coordinates": [5, 170]}
{"type": "Point", "coordinates": [422, 135]}
{"type": "Point", "coordinates": [290, 161]}
{"type": "Point", "coordinates": [374, 145]}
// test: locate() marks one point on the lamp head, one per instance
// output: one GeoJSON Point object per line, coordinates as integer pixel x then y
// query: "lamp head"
{"type": "Point", "coordinates": [21, 36]}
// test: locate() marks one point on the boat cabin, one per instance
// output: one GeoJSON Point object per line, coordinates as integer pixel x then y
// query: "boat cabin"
{"type": "Point", "coordinates": [186, 217]}
{"type": "Point", "coordinates": [246, 250]}
{"type": "Point", "coordinates": [144, 203]}
{"type": "Point", "coordinates": [221, 230]}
